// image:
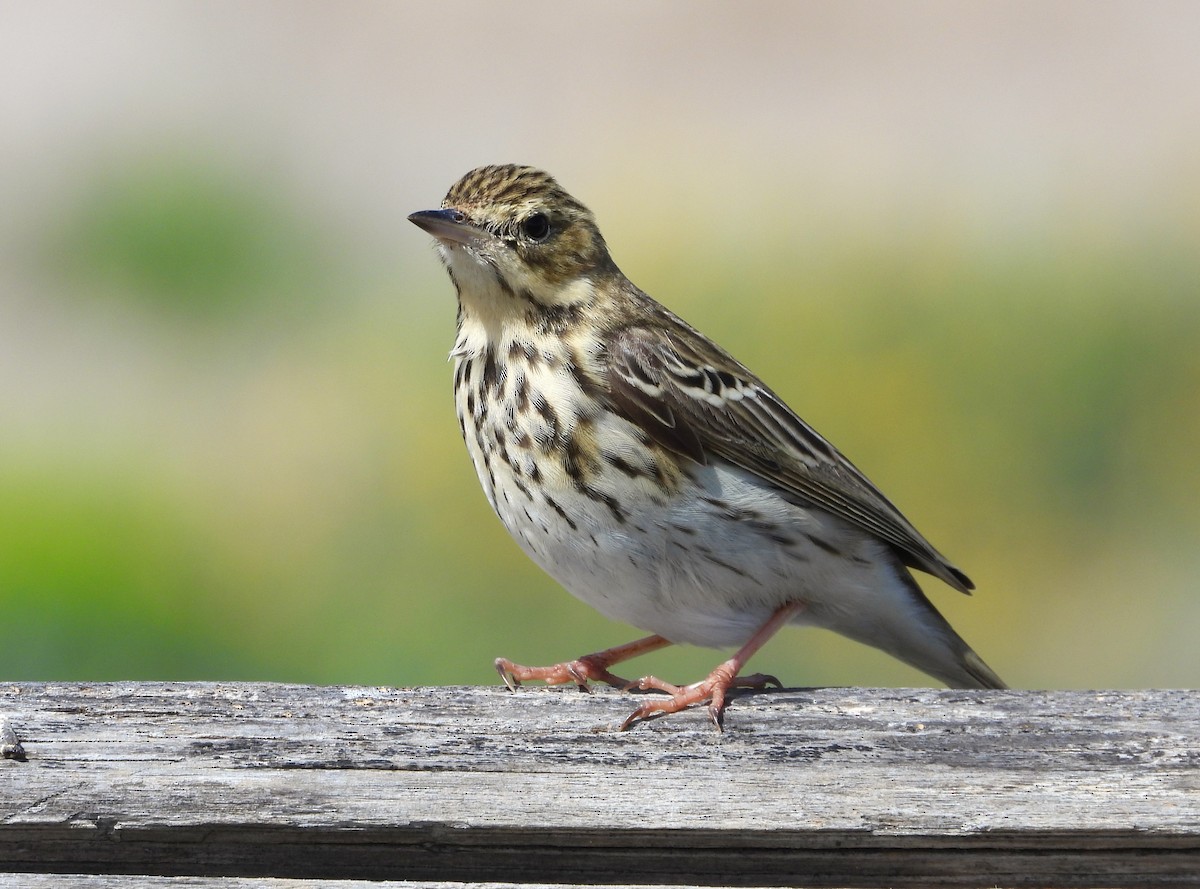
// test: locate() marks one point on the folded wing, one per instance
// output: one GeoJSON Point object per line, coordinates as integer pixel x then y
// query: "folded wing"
{"type": "Point", "coordinates": [698, 401]}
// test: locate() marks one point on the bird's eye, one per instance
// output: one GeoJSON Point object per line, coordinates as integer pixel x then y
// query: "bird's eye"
{"type": "Point", "coordinates": [536, 227]}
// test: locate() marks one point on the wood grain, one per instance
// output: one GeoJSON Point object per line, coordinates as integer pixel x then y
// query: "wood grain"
{"type": "Point", "coordinates": [828, 787]}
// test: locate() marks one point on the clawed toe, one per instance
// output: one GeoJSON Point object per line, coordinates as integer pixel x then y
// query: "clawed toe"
{"type": "Point", "coordinates": [712, 689]}
{"type": "Point", "coordinates": [653, 683]}
{"type": "Point", "coordinates": [589, 668]}
{"type": "Point", "coordinates": [580, 672]}
{"type": "Point", "coordinates": [757, 681]}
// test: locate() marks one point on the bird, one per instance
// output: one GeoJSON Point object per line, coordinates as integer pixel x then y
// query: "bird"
{"type": "Point", "coordinates": [652, 474]}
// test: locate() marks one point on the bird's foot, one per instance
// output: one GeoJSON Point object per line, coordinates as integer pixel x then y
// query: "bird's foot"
{"type": "Point", "coordinates": [589, 668]}
{"type": "Point", "coordinates": [712, 689]}
{"type": "Point", "coordinates": [719, 681]}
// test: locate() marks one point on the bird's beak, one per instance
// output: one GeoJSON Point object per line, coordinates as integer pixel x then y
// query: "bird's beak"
{"type": "Point", "coordinates": [448, 226]}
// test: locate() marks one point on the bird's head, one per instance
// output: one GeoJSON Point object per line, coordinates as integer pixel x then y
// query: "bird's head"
{"type": "Point", "coordinates": [512, 233]}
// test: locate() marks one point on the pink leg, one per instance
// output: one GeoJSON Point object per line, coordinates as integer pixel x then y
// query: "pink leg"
{"type": "Point", "coordinates": [589, 667]}
{"type": "Point", "coordinates": [719, 681]}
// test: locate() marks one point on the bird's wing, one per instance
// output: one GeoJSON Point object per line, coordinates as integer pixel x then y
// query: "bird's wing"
{"type": "Point", "coordinates": [697, 400]}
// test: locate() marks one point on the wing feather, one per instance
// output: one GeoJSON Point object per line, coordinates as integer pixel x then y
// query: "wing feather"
{"type": "Point", "coordinates": [697, 400]}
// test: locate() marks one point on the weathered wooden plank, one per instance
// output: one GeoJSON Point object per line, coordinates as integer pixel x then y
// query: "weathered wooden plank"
{"type": "Point", "coordinates": [805, 787]}
{"type": "Point", "coordinates": [93, 881]}
{"type": "Point", "coordinates": [124, 881]}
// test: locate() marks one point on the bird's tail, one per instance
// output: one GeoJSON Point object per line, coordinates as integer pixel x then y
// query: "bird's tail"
{"type": "Point", "coordinates": [953, 661]}
{"type": "Point", "coordinates": [930, 644]}
{"type": "Point", "coordinates": [975, 669]}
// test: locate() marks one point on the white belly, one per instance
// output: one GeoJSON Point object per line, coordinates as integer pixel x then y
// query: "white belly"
{"type": "Point", "coordinates": [705, 563]}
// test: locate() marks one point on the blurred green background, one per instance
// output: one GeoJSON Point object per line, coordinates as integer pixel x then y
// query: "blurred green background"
{"type": "Point", "coordinates": [960, 239]}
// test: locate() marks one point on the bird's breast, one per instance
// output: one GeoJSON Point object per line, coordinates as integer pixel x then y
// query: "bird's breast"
{"type": "Point", "coordinates": [538, 429]}
{"type": "Point", "coordinates": [697, 553]}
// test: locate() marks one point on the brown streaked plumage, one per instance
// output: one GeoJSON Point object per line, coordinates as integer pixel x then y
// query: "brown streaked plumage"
{"type": "Point", "coordinates": [653, 474]}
